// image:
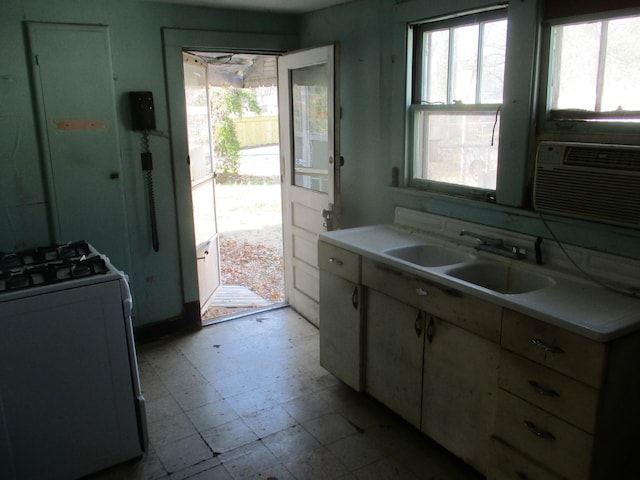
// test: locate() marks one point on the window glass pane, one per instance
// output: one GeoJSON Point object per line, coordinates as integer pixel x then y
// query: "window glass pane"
{"type": "Point", "coordinates": [464, 66]}
{"type": "Point", "coordinates": [622, 71]}
{"type": "Point", "coordinates": [458, 148]}
{"type": "Point", "coordinates": [311, 127]}
{"type": "Point", "coordinates": [461, 79]}
{"type": "Point", "coordinates": [576, 52]}
{"type": "Point", "coordinates": [436, 66]}
{"type": "Point", "coordinates": [492, 75]}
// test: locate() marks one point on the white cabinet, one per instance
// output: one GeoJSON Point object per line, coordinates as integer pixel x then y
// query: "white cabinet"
{"type": "Point", "coordinates": [513, 396]}
{"type": "Point", "coordinates": [394, 348]}
{"type": "Point", "coordinates": [460, 380]}
{"type": "Point", "coordinates": [425, 366]}
{"type": "Point", "coordinates": [340, 314]}
{"type": "Point", "coordinates": [566, 404]}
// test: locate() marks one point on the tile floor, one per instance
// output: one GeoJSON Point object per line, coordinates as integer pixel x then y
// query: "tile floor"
{"type": "Point", "coordinates": [247, 399]}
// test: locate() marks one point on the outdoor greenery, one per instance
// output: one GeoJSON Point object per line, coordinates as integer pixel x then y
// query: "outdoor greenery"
{"type": "Point", "coordinates": [227, 104]}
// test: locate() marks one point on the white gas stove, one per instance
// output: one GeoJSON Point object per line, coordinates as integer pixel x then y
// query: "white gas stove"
{"type": "Point", "coordinates": [70, 398]}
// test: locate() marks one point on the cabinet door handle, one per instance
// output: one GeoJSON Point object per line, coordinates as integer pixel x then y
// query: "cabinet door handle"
{"type": "Point", "coordinates": [418, 324]}
{"type": "Point", "coordinates": [354, 298]}
{"type": "Point", "coordinates": [431, 330]}
{"type": "Point", "coordinates": [537, 432]}
{"type": "Point", "coordinates": [540, 390]}
{"type": "Point", "coordinates": [421, 292]}
{"type": "Point", "coordinates": [336, 261]}
{"type": "Point", "coordinates": [546, 347]}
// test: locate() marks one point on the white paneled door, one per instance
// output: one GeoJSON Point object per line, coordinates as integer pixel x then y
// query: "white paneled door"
{"type": "Point", "coordinates": [309, 146]}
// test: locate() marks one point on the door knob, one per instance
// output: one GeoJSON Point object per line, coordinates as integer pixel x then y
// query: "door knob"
{"type": "Point", "coordinates": [327, 214]}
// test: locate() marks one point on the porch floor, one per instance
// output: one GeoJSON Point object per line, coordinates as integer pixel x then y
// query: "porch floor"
{"type": "Point", "coordinates": [231, 300]}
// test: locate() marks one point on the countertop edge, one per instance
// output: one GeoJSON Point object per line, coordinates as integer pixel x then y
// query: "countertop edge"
{"type": "Point", "coordinates": [531, 303]}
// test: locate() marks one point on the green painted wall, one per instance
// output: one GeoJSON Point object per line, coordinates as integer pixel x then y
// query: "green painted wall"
{"type": "Point", "coordinates": [372, 36]}
{"type": "Point", "coordinates": [372, 91]}
{"type": "Point", "coordinates": [135, 29]}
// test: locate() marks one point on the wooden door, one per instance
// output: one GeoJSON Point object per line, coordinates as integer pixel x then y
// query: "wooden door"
{"type": "Point", "coordinates": [309, 149]}
{"type": "Point", "coordinates": [76, 105]}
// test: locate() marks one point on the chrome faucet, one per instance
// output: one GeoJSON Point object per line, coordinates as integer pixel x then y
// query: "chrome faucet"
{"type": "Point", "coordinates": [495, 245]}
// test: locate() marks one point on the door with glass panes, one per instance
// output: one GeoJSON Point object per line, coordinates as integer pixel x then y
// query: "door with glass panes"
{"type": "Point", "coordinates": [310, 163]}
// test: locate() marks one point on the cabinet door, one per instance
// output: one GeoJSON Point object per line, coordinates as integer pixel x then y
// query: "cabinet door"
{"type": "Point", "coordinates": [394, 346]}
{"type": "Point", "coordinates": [340, 328]}
{"type": "Point", "coordinates": [460, 389]}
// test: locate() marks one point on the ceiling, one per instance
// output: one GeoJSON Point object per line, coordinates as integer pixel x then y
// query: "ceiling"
{"type": "Point", "coordinates": [278, 6]}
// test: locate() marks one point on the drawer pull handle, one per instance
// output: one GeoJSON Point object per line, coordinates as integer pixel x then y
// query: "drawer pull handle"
{"type": "Point", "coordinates": [542, 345]}
{"type": "Point", "coordinates": [540, 390]}
{"type": "Point", "coordinates": [336, 261]}
{"type": "Point", "coordinates": [537, 432]}
{"type": "Point", "coordinates": [421, 292]}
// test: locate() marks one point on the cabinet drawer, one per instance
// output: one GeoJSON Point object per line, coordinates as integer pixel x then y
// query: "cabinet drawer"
{"type": "Point", "coordinates": [509, 464]}
{"type": "Point", "coordinates": [548, 440]}
{"type": "Point", "coordinates": [475, 315]}
{"type": "Point", "coordinates": [554, 347]}
{"type": "Point", "coordinates": [566, 398]}
{"type": "Point", "coordinates": [339, 261]}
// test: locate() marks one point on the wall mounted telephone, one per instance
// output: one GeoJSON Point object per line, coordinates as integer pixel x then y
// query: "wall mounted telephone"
{"type": "Point", "coordinates": [143, 119]}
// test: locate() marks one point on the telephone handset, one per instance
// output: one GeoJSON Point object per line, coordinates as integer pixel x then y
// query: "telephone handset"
{"type": "Point", "coordinates": [143, 119]}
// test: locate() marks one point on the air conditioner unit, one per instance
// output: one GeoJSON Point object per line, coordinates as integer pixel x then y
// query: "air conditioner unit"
{"type": "Point", "coordinates": [596, 182]}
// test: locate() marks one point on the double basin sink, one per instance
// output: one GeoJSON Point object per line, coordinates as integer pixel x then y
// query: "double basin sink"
{"type": "Point", "coordinates": [500, 277]}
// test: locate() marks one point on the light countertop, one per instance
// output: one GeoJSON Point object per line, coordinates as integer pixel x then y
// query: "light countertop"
{"type": "Point", "coordinates": [572, 301]}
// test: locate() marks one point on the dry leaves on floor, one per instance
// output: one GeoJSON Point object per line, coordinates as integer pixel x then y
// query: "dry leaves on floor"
{"type": "Point", "coordinates": [256, 266]}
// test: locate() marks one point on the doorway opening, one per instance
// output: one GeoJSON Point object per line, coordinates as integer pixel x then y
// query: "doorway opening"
{"type": "Point", "coordinates": [232, 118]}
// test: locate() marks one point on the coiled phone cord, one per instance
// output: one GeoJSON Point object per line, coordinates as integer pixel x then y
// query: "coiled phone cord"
{"type": "Point", "coordinates": [147, 166]}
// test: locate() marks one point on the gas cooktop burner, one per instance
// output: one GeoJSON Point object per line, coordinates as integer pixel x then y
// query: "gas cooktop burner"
{"type": "Point", "coordinates": [46, 265]}
{"type": "Point", "coordinates": [39, 255]}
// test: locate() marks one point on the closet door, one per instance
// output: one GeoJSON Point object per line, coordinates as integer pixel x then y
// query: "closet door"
{"type": "Point", "coordinates": [76, 102]}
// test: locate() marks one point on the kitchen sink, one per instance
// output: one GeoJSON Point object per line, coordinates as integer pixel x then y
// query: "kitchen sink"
{"type": "Point", "coordinates": [429, 255]}
{"type": "Point", "coordinates": [501, 278]}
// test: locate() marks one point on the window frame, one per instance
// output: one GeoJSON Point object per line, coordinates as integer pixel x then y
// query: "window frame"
{"type": "Point", "coordinates": [416, 85]}
{"type": "Point", "coordinates": [571, 125]}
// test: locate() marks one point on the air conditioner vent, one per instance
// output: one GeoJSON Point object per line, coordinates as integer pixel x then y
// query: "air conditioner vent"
{"type": "Point", "coordinates": [593, 182]}
{"type": "Point", "coordinates": [618, 158]}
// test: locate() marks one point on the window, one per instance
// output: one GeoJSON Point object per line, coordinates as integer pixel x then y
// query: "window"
{"type": "Point", "coordinates": [594, 71]}
{"type": "Point", "coordinates": [458, 79]}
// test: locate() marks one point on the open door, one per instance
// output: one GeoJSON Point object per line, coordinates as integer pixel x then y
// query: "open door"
{"type": "Point", "coordinates": [202, 176]}
{"type": "Point", "coordinates": [310, 163]}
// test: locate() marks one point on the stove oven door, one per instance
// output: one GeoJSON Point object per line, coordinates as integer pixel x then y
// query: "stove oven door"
{"type": "Point", "coordinates": [67, 395]}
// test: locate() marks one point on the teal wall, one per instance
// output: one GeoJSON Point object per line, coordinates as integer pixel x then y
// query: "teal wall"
{"type": "Point", "coordinates": [373, 38]}
{"type": "Point", "coordinates": [135, 29]}
{"type": "Point", "coordinates": [371, 34]}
